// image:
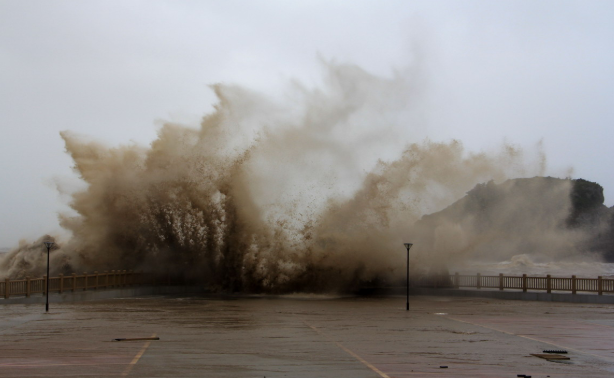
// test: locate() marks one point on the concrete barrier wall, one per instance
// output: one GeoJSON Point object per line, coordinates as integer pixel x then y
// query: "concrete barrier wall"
{"type": "Point", "coordinates": [518, 295]}
{"type": "Point", "coordinates": [92, 295]}
{"type": "Point", "coordinates": [494, 294]}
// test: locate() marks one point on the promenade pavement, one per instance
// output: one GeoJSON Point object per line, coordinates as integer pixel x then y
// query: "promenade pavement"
{"type": "Point", "coordinates": [305, 336]}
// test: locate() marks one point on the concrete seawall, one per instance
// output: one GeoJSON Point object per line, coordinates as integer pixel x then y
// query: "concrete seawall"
{"type": "Point", "coordinates": [494, 294]}
{"type": "Point", "coordinates": [92, 295]}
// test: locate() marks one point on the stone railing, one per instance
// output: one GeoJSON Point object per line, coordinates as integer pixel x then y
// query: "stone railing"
{"type": "Point", "coordinates": [548, 283]}
{"type": "Point", "coordinates": [74, 282]}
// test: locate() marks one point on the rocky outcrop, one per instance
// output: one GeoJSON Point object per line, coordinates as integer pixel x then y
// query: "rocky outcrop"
{"type": "Point", "coordinates": [527, 215]}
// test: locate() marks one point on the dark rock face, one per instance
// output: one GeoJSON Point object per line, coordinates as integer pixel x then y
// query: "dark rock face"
{"type": "Point", "coordinates": [587, 204]}
{"type": "Point", "coordinates": [528, 215]}
{"type": "Point", "coordinates": [590, 214]}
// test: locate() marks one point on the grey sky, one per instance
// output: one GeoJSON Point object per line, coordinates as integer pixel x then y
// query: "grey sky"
{"type": "Point", "coordinates": [522, 71]}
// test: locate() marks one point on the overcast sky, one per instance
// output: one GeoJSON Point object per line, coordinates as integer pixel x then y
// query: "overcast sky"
{"type": "Point", "coordinates": [520, 71]}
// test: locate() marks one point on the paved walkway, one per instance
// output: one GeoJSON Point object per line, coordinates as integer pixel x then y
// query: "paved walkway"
{"type": "Point", "coordinates": [306, 337]}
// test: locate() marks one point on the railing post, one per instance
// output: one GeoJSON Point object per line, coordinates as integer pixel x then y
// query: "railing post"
{"type": "Point", "coordinates": [549, 284]}
{"type": "Point", "coordinates": [500, 281]}
{"type": "Point", "coordinates": [112, 278]}
{"type": "Point", "coordinates": [479, 281]}
{"type": "Point", "coordinates": [573, 284]}
{"type": "Point", "coordinates": [45, 284]}
{"type": "Point", "coordinates": [61, 283]}
{"type": "Point", "coordinates": [456, 280]}
{"type": "Point", "coordinates": [27, 286]}
{"type": "Point", "coordinates": [524, 283]}
{"type": "Point", "coordinates": [7, 290]}
{"type": "Point", "coordinates": [124, 278]}
{"type": "Point", "coordinates": [600, 285]}
{"type": "Point", "coordinates": [106, 279]}
{"type": "Point", "coordinates": [96, 280]}
{"type": "Point", "coordinates": [84, 281]}
{"type": "Point", "coordinates": [74, 282]}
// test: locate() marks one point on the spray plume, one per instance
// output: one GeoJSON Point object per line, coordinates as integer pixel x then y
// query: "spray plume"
{"type": "Point", "coordinates": [278, 196]}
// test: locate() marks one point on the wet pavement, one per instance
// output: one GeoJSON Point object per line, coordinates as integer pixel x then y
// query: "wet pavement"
{"type": "Point", "coordinates": [305, 336]}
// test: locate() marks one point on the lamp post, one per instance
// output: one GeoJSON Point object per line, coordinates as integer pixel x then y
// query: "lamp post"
{"type": "Point", "coordinates": [49, 245]}
{"type": "Point", "coordinates": [408, 246]}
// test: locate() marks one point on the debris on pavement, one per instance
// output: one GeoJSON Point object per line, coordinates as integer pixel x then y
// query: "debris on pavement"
{"type": "Point", "coordinates": [137, 339]}
{"type": "Point", "coordinates": [547, 356]}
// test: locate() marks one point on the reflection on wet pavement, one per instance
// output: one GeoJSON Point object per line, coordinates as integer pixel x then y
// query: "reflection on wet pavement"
{"type": "Point", "coordinates": [309, 336]}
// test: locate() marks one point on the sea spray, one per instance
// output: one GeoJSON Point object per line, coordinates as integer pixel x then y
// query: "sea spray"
{"type": "Point", "coordinates": [277, 195]}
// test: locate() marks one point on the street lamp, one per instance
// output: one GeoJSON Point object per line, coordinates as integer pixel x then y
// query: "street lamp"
{"type": "Point", "coordinates": [49, 245]}
{"type": "Point", "coordinates": [408, 246]}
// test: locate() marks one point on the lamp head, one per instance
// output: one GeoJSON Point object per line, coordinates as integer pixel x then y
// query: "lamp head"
{"type": "Point", "coordinates": [49, 244]}
{"type": "Point", "coordinates": [408, 245]}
